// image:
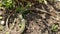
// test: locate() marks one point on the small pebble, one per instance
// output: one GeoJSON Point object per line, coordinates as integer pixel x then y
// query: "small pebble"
{"type": "Point", "coordinates": [2, 22]}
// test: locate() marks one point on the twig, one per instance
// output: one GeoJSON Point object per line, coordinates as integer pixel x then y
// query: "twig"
{"type": "Point", "coordinates": [7, 22]}
{"type": "Point", "coordinates": [37, 9]}
{"type": "Point", "coordinates": [49, 30]}
{"type": "Point", "coordinates": [13, 24]}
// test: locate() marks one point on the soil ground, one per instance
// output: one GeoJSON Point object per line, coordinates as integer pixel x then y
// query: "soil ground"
{"type": "Point", "coordinates": [39, 20]}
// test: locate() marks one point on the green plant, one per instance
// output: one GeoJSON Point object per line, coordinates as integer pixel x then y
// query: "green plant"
{"type": "Point", "coordinates": [23, 10]}
{"type": "Point", "coordinates": [20, 9]}
{"type": "Point", "coordinates": [0, 4]}
{"type": "Point", "coordinates": [8, 3]}
{"type": "Point", "coordinates": [54, 27]}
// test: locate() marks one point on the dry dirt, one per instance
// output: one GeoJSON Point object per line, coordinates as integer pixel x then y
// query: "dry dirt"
{"type": "Point", "coordinates": [39, 22]}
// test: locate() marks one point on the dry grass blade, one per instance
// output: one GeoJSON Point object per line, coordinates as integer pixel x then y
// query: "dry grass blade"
{"type": "Point", "coordinates": [7, 23]}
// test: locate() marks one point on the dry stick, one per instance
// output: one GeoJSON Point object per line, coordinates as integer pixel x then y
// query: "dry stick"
{"type": "Point", "coordinates": [53, 9]}
{"type": "Point", "coordinates": [10, 30]}
{"type": "Point", "coordinates": [7, 22]}
{"type": "Point", "coordinates": [43, 11]}
{"type": "Point", "coordinates": [13, 24]}
{"type": "Point", "coordinates": [39, 10]}
{"type": "Point", "coordinates": [44, 22]}
{"type": "Point", "coordinates": [7, 25]}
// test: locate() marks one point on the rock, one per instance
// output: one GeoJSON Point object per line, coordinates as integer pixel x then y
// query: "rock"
{"type": "Point", "coordinates": [2, 22]}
